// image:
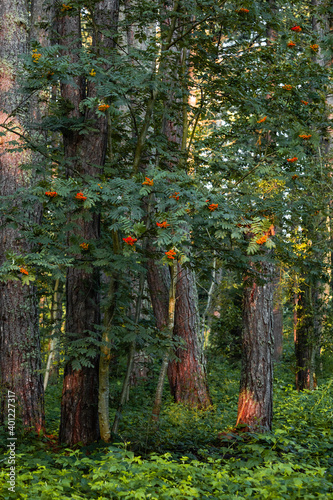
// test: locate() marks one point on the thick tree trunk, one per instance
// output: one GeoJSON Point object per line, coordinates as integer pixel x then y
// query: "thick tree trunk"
{"type": "Point", "coordinates": [85, 155]}
{"type": "Point", "coordinates": [187, 377]}
{"type": "Point", "coordinates": [255, 405]}
{"type": "Point", "coordinates": [20, 358]}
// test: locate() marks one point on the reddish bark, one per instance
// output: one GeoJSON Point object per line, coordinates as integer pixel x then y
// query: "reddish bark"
{"type": "Point", "coordinates": [20, 362]}
{"type": "Point", "coordinates": [85, 154]}
{"type": "Point", "coordinates": [255, 405]}
{"type": "Point", "coordinates": [158, 283]}
{"type": "Point", "coordinates": [187, 377]}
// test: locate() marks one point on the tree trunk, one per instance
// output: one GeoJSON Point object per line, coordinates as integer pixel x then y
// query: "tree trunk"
{"type": "Point", "coordinates": [20, 358]}
{"type": "Point", "coordinates": [255, 405]}
{"type": "Point", "coordinates": [277, 315]}
{"type": "Point", "coordinates": [305, 342]}
{"type": "Point", "coordinates": [187, 377]}
{"type": "Point", "coordinates": [104, 363]}
{"type": "Point", "coordinates": [85, 155]}
{"type": "Point", "coordinates": [125, 389]}
{"type": "Point", "coordinates": [56, 319]}
{"type": "Point", "coordinates": [171, 323]}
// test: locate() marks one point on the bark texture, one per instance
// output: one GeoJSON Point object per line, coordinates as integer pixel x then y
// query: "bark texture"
{"type": "Point", "coordinates": [187, 377]}
{"type": "Point", "coordinates": [20, 361]}
{"type": "Point", "coordinates": [255, 405]}
{"type": "Point", "coordinates": [85, 154]}
{"type": "Point", "coordinates": [171, 323]}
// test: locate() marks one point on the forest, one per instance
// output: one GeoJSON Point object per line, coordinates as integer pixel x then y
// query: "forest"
{"type": "Point", "coordinates": [166, 249]}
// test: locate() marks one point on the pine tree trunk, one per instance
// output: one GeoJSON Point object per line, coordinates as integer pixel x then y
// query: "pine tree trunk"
{"type": "Point", "coordinates": [20, 358]}
{"type": "Point", "coordinates": [85, 155]}
{"type": "Point", "coordinates": [187, 377]}
{"type": "Point", "coordinates": [255, 405]}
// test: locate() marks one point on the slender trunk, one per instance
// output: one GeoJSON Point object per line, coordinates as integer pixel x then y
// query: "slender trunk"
{"type": "Point", "coordinates": [104, 364]}
{"type": "Point", "coordinates": [56, 317]}
{"type": "Point", "coordinates": [206, 324]}
{"type": "Point", "coordinates": [131, 354]}
{"type": "Point", "coordinates": [171, 322]}
{"type": "Point", "coordinates": [277, 315]}
{"type": "Point", "coordinates": [85, 155]}
{"type": "Point", "coordinates": [305, 342]}
{"type": "Point", "coordinates": [255, 405]}
{"type": "Point", "coordinates": [20, 355]}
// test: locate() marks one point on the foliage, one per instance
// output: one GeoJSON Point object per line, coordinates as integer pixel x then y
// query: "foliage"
{"type": "Point", "coordinates": [192, 455]}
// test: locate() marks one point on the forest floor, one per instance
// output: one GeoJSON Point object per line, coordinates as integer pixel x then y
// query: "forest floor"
{"type": "Point", "coordinates": [185, 458]}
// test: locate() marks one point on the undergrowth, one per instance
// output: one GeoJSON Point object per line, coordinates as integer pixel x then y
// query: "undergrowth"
{"type": "Point", "coordinates": [191, 455]}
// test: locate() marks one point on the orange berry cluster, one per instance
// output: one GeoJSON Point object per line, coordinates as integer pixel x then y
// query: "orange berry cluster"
{"type": "Point", "coordinates": [264, 238]}
{"type": "Point", "coordinates": [84, 246]}
{"type": "Point", "coordinates": [213, 206]}
{"type": "Point", "coordinates": [65, 7]}
{"type": "Point", "coordinates": [296, 28]}
{"type": "Point", "coordinates": [51, 194]}
{"type": "Point", "coordinates": [163, 224]}
{"type": "Point", "coordinates": [35, 56]}
{"type": "Point", "coordinates": [171, 254]}
{"type": "Point", "coordinates": [148, 182]}
{"type": "Point", "coordinates": [23, 271]}
{"type": "Point", "coordinates": [130, 241]}
{"type": "Point", "coordinates": [291, 160]}
{"type": "Point", "coordinates": [314, 47]}
{"type": "Point", "coordinates": [305, 136]}
{"type": "Point", "coordinates": [291, 44]}
{"type": "Point", "coordinates": [287, 87]}
{"type": "Point", "coordinates": [80, 196]}
{"type": "Point", "coordinates": [304, 102]}
{"type": "Point", "coordinates": [262, 120]}
{"type": "Point", "coordinates": [103, 107]}
{"type": "Point", "coordinates": [243, 11]}
{"type": "Point", "coordinates": [175, 196]}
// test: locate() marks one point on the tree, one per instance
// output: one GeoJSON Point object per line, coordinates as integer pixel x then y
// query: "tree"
{"type": "Point", "coordinates": [85, 144]}
{"type": "Point", "coordinates": [20, 357]}
{"type": "Point", "coordinates": [255, 405]}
